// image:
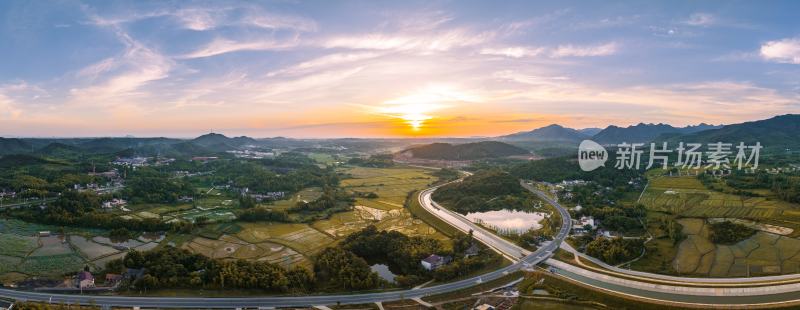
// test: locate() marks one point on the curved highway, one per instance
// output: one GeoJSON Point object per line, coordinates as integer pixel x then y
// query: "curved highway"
{"type": "Point", "coordinates": [522, 257]}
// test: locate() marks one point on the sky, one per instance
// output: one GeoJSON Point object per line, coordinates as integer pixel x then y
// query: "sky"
{"type": "Point", "coordinates": [390, 68]}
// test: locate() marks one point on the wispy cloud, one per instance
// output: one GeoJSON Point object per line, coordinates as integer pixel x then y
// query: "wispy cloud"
{"type": "Point", "coordinates": [701, 19]}
{"type": "Point", "coordinates": [122, 74]}
{"type": "Point", "coordinates": [584, 51]}
{"type": "Point", "coordinates": [782, 51]}
{"type": "Point", "coordinates": [326, 61]}
{"type": "Point", "coordinates": [512, 75]}
{"type": "Point", "coordinates": [441, 41]}
{"type": "Point", "coordinates": [513, 52]}
{"type": "Point", "coordinates": [223, 46]}
{"type": "Point", "coordinates": [204, 18]}
{"type": "Point", "coordinates": [560, 51]}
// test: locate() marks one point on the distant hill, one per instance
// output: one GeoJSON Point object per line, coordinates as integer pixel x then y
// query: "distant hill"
{"type": "Point", "coordinates": [111, 145]}
{"type": "Point", "coordinates": [466, 151]}
{"type": "Point", "coordinates": [552, 132]}
{"type": "Point", "coordinates": [642, 132]}
{"type": "Point", "coordinates": [590, 131]}
{"type": "Point", "coordinates": [221, 142]}
{"type": "Point", "coordinates": [780, 132]}
{"type": "Point", "coordinates": [14, 146]}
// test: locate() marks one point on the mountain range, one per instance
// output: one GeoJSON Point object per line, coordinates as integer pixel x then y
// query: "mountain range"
{"type": "Point", "coordinates": [778, 132]}
{"type": "Point", "coordinates": [642, 132]}
{"type": "Point", "coordinates": [782, 130]}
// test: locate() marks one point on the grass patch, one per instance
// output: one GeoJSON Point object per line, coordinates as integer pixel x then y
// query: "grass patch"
{"type": "Point", "coordinates": [419, 212]}
{"type": "Point", "coordinates": [14, 245]}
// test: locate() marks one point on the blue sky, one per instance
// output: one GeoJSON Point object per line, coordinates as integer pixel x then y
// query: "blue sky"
{"type": "Point", "coordinates": [390, 68]}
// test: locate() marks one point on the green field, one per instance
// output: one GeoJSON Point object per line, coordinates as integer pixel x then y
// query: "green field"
{"type": "Point", "coordinates": [762, 254]}
{"type": "Point", "coordinates": [15, 245]}
{"type": "Point", "coordinates": [306, 194]}
{"type": "Point", "coordinates": [54, 265]}
{"type": "Point", "coordinates": [687, 197]}
{"type": "Point", "coordinates": [687, 200]}
{"type": "Point", "coordinates": [296, 243]}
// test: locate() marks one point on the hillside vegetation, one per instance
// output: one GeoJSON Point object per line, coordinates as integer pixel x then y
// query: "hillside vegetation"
{"type": "Point", "coordinates": [483, 191]}
{"type": "Point", "coordinates": [552, 132]}
{"type": "Point", "coordinates": [778, 132]}
{"type": "Point", "coordinates": [467, 151]}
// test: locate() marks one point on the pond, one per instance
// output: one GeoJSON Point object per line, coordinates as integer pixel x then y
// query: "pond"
{"type": "Point", "coordinates": [508, 221]}
{"type": "Point", "coordinates": [383, 271]}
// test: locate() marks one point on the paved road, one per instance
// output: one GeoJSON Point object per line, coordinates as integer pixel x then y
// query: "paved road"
{"type": "Point", "coordinates": [724, 298]}
{"type": "Point", "coordinates": [495, 242]}
{"type": "Point", "coordinates": [726, 282]}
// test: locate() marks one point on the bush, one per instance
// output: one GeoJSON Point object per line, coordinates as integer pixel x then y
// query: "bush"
{"type": "Point", "coordinates": [729, 233]}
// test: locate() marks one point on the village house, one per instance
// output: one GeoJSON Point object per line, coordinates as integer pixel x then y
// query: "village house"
{"type": "Point", "coordinates": [268, 196]}
{"type": "Point", "coordinates": [8, 194]}
{"type": "Point", "coordinates": [132, 162]}
{"type": "Point", "coordinates": [85, 279]}
{"type": "Point", "coordinates": [434, 261]}
{"type": "Point", "coordinates": [608, 234]}
{"type": "Point", "coordinates": [579, 226]}
{"type": "Point", "coordinates": [114, 203]}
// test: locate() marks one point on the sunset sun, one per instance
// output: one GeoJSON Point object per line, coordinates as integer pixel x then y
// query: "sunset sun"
{"type": "Point", "coordinates": [416, 108]}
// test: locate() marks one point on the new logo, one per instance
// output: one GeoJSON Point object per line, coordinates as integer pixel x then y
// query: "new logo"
{"type": "Point", "coordinates": [591, 155]}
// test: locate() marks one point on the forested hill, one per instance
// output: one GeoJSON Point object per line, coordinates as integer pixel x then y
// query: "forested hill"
{"type": "Point", "coordinates": [467, 151]}
{"type": "Point", "coordinates": [552, 132]}
{"type": "Point", "coordinates": [483, 191]}
{"type": "Point", "coordinates": [13, 146]}
{"type": "Point", "coordinates": [566, 168]}
{"type": "Point", "coordinates": [778, 132]}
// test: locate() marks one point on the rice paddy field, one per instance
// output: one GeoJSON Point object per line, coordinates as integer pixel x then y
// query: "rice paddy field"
{"type": "Point", "coordinates": [762, 254]}
{"type": "Point", "coordinates": [214, 206]}
{"type": "Point", "coordinates": [24, 253]}
{"type": "Point", "coordinates": [307, 194]}
{"type": "Point", "coordinates": [687, 197]}
{"type": "Point", "coordinates": [774, 249]}
{"type": "Point", "coordinates": [296, 243]}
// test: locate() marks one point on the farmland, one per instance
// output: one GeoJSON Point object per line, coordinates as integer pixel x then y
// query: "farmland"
{"type": "Point", "coordinates": [687, 197]}
{"type": "Point", "coordinates": [762, 254]}
{"type": "Point", "coordinates": [772, 250]}
{"type": "Point", "coordinates": [295, 243]}
{"type": "Point", "coordinates": [24, 253]}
